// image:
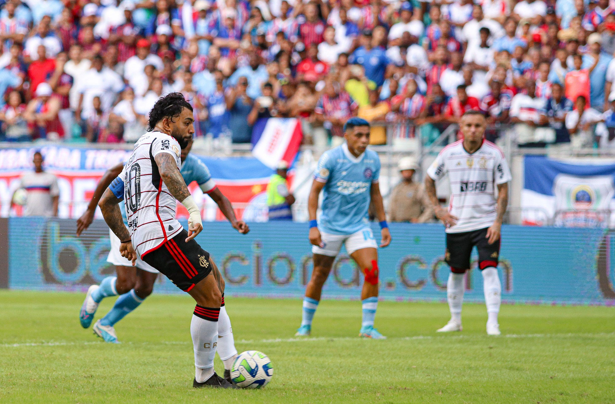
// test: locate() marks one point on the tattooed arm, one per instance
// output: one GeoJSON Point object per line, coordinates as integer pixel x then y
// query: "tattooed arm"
{"type": "Point", "coordinates": [113, 216]}
{"type": "Point", "coordinates": [441, 213]}
{"type": "Point", "coordinates": [171, 176]}
{"type": "Point", "coordinates": [493, 233]}
{"type": "Point", "coordinates": [169, 172]}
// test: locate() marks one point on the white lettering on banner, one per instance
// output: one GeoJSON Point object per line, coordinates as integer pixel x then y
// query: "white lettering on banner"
{"type": "Point", "coordinates": [7, 187]}
{"type": "Point", "coordinates": [274, 140]}
{"type": "Point", "coordinates": [12, 159]}
{"type": "Point", "coordinates": [104, 159]}
{"type": "Point", "coordinates": [83, 189]}
{"type": "Point", "coordinates": [351, 187]}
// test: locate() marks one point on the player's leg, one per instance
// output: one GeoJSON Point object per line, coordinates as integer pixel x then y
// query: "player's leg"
{"type": "Point", "coordinates": [111, 285]}
{"type": "Point", "coordinates": [488, 255]}
{"type": "Point", "coordinates": [126, 280]}
{"type": "Point", "coordinates": [322, 262]}
{"type": "Point", "coordinates": [313, 291]}
{"type": "Point", "coordinates": [367, 261]}
{"type": "Point", "coordinates": [126, 304]}
{"type": "Point", "coordinates": [362, 247]}
{"type": "Point", "coordinates": [226, 340]}
{"type": "Point", "coordinates": [458, 251]}
{"type": "Point", "coordinates": [188, 266]}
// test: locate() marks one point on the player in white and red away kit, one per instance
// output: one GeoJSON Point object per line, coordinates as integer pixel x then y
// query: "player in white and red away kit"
{"type": "Point", "coordinates": [475, 168]}
{"type": "Point", "coordinates": [150, 184]}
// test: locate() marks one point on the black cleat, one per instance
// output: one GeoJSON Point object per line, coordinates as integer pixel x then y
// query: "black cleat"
{"type": "Point", "coordinates": [214, 381]}
{"type": "Point", "coordinates": [227, 376]}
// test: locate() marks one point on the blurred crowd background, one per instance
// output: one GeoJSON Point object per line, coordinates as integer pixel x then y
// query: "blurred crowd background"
{"type": "Point", "coordinates": [90, 71]}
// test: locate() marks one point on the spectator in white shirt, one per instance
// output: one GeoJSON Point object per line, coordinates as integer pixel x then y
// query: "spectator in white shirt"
{"type": "Point", "coordinates": [480, 56]}
{"type": "Point", "coordinates": [125, 114]}
{"type": "Point", "coordinates": [471, 31]}
{"type": "Point", "coordinates": [135, 66]}
{"type": "Point", "coordinates": [407, 24]}
{"type": "Point", "coordinates": [581, 124]}
{"type": "Point", "coordinates": [527, 112]}
{"type": "Point", "coordinates": [45, 37]}
{"type": "Point", "coordinates": [530, 9]}
{"type": "Point", "coordinates": [329, 50]}
{"type": "Point", "coordinates": [76, 67]}
{"type": "Point", "coordinates": [452, 77]}
{"type": "Point", "coordinates": [98, 81]}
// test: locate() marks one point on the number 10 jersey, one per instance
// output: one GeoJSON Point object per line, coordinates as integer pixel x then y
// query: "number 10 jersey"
{"type": "Point", "coordinates": [150, 207]}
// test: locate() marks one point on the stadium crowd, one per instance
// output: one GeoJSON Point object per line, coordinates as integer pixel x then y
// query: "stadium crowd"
{"type": "Point", "coordinates": [84, 70]}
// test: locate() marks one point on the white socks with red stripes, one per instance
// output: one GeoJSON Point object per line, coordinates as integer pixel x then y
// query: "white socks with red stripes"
{"type": "Point", "coordinates": [204, 330]}
{"type": "Point", "coordinates": [454, 293]}
{"type": "Point", "coordinates": [493, 293]}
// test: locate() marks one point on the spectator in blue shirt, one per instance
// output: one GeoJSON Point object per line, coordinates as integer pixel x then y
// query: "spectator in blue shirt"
{"type": "Point", "coordinates": [510, 41]}
{"type": "Point", "coordinates": [7, 79]}
{"type": "Point", "coordinates": [556, 108]}
{"type": "Point", "coordinates": [373, 59]}
{"type": "Point", "coordinates": [597, 77]}
{"type": "Point", "coordinates": [256, 73]}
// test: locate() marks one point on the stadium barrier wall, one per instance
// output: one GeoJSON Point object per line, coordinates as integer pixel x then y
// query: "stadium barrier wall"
{"type": "Point", "coordinates": [537, 264]}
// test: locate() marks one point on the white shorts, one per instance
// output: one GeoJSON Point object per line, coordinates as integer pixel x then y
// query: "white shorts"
{"type": "Point", "coordinates": [353, 242]}
{"type": "Point", "coordinates": [116, 258]}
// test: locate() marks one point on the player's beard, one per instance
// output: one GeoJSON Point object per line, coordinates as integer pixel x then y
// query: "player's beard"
{"type": "Point", "coordinates": [183, 142]}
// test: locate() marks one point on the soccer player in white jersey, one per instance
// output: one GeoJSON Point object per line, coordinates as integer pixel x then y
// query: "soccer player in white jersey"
{"type": "Point", "coordinates": [348, 176]}
{"type": "Point", "coordinates": [135, 283]}
{"type": "Point", "coordinates": [474, 218]}
{"type": "Point", "coordinates": [149, 185]}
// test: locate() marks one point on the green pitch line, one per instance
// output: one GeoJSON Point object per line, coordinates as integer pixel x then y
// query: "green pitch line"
{"type": "Point", "coordinates": [546, 354]}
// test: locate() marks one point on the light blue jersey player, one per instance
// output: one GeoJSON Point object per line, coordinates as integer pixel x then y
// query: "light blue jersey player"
{"type": "Point", "coordinates": [348, 177]}
{"type": "Point", "coordinates": [135, 284]}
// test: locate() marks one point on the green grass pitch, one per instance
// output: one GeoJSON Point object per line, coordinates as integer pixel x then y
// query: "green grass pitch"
{"type": "Point", "coordinates": [545, 355]}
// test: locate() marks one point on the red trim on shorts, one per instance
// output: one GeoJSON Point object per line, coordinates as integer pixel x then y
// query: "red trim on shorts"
{"type": "Point", "coordinates": [190, 288]}
{"type": "Point", "coordinates": [486, 264]}
{"type": "Point", "coordinates": [180, 258]}
{"type": "Point", "coordinates": [185, 258]}
{"type": "Point", "coordinates": [157, 214]}
{"type": "Point", "coordinates": [151, 249]}
{"type": "Point", "coordinates": [181, 265]}
{"type": "Point", "coordinates": [458, 271]}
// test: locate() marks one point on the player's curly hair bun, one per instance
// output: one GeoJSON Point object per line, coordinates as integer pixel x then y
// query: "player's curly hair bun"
{"type": "Point", "coordinates": [170, 105]}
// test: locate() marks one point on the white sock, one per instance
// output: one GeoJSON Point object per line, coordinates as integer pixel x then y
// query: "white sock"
{"type": "Point", "coordinates": [226, 341]}
{"type": "Point", "coordinates": [493, 293]}
{"type": "Point", "coordinates": [454, 293]}
{"type": "Point", "coordinates": [204, 331]}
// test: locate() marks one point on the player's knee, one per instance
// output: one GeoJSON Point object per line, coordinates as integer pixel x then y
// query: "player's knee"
{"type": "Point", "coordinates": [124, 284]}
{"type": "Point", "coordinates": [144, 290]}
{"type": "Point", "coordinates": [320, 275]}
{"type": "Point", "coordinates": [487, 264]}
{"type": "Point", "coordinates": [372, 273]}
{"type": "Point", "coordinates": [458, 270]}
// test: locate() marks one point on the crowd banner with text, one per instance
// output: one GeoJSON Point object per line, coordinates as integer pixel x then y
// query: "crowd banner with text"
{"type": "Point", "coordinates": [569, 193]}
{"type": "Point", "coordinates": [243, 180]}
{"type": "Point", "coordinates": [276, 139]}
{"type": "Point", "coordinates": [537, 265]}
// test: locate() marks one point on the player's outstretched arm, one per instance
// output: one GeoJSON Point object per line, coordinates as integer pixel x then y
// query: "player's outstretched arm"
{"type": "Point", "coordinates": [315, 238]}
{"type": "Point", "coordinates": [380, 214]}
{"type": "Point", "coordinates": [88, 216]}
{"type": "Point", "coordinates": [441, 213]}
{"type": "Point", "coordinates": [172, 178]}
{"type": "Point", "coordinates": [493, 233]}
{"type": "Point", "coordinates": [113, 216]}
{"type": "Point", "coordinates": [227, 209]}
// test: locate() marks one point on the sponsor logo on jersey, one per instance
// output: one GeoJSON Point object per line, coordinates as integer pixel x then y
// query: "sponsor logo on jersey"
{"type": "Point", "coordinates": [474, 186]}
{"type": "Point", "coordinates": [500, 171]}
{"type": "Point", "coordinates": [203, 261]}
{"type": "Point", "coordinates": [470, 162]}
{"type": "Point", "coordinates": [439, 170]}
{"type": "Point", "coordinates": [323, 172]}
{"type": "Point", "coordinates": [165, 145]}
{"type": "Point", "coordinates": [352, 187]}
{"type": "Point", "coordinates": [175, 149]}
{"type": "Point", "coordinates": [368, 173]}
{"type": "Point", "coordinates": [482, 163]}
{"type": "Point", "coordinates": [494, 255]}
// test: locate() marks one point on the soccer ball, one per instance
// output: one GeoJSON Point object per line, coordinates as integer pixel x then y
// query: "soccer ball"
{"type": "Point", "coordinates": [20, 197]}
{"type": "Point", "coordinates": [251, 370]}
